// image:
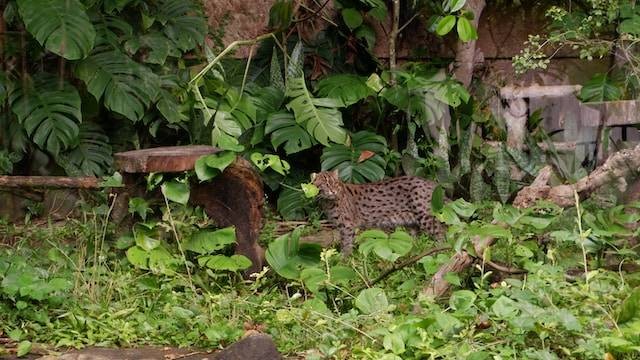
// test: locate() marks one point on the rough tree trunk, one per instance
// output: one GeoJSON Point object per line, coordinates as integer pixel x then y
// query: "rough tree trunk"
{"type": "Point", "coordinates": [466, 51]}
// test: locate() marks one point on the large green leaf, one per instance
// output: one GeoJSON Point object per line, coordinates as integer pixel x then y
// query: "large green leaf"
{"type": "Point", "coordinates": [349, 160]}
{"type": "Point", "coordinates": [92, 154]}
{"type": "Point", "coordinates": [319, 116]}
{"type": "Point", "coordinates": [128, 88]}
{"type": "Point", "coordinates": [601, 87]}
{"type": "Point", "coordinates": [61, 26]}
{"type": "Point", "coordinates": [183, 23]}
{"type": "Point", "coordinates": [285, 130]}
{"type": "Point", "coordinates": [287, 256]}
{"type": "Point", "coordinates": [207, 241]}
{"type": "Point", "coordinates": [348, 88]}
{"type": "Point", "coordinates": [49, 115]}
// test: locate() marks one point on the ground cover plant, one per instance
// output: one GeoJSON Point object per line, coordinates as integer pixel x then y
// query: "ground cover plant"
{"type": "Point", "coordinates": [546, 281]}
{"type": "Point", "coordinates": [314, 303]}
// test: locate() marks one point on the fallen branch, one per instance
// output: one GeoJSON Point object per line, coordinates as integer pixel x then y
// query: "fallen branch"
{"type": "Point", "coordinates": [408, 262]}
{"type": "Point", "coordinates": [614, 170]}
{"type": "Point", "coordinates": [439, 286]}
{"type": "Point", "coordinates": [49, 182]}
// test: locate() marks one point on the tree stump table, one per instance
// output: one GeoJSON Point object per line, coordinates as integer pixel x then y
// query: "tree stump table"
{"type": "Point", "coordinates": [233, 198]}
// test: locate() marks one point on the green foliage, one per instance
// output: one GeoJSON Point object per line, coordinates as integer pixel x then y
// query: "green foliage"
{"type": "Point", "coordinates": [284, 129]}
{"type": "Point", "coordinates": [49, 115]}
{"type": "Point", "coordinates": [61, 26]}
{"type": "Point", "coordinates": [387, 247]}
{"type": "Point", "coordinates": [347, 88]}
{"type": "Point", "coordinates": [362, 161]}
{"type": "Point", "coordinates": [286, 255]}
{"type": "Point", "coordinates": [600, 88]}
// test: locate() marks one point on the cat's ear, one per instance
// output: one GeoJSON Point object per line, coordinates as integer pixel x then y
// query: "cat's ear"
{"type": "Point", "coordinates": [336, 173]}
{"type": "Point", "coordinates": [313, 177]}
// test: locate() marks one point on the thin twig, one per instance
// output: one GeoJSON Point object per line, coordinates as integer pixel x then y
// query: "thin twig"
{"type": "Point", "coordinates": [406, 263]}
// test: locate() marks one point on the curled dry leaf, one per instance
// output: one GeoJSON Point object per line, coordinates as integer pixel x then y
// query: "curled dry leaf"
{"type": "Point", "coordinates": [365, 155]}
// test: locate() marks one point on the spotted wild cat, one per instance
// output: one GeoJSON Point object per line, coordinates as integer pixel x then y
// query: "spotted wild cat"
{"type": "Point", "coordinates": [402, 201]}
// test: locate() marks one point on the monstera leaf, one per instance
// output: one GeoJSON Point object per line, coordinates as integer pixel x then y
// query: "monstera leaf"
{"type": "Point", "coordinates": [600, 88]}
{"type": "Point", "coordinates": [92, 155]}
{"type": "Point", "coordinates": [61, 26]}
{"type": "Point", "coordinates": [183, 23]}
{"type": "Point", "coordinates": [128, 88]}
{"type": "Point", "coordinates": [347, 88]}
{"type": "Point", "coordinates": [360, 162]}
{"type": "Point", "coordinates": [319, 116]}
{"type": "Point", "coordinates": [285, 130]}
{"type": "Point", "coordinates": [49, 114]}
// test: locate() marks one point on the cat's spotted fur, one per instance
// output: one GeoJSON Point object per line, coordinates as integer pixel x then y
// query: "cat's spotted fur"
{"type": "Point", "coordinates": [398, 202]}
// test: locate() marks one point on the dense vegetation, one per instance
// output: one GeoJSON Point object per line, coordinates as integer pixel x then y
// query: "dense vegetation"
{"type": "Point", "coordinates": [120, 74]}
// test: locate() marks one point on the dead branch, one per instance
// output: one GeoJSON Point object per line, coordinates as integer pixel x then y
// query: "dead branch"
{"type": "Point", "coordinates": [49, 182]}
{"type": "Point", "coordinates": [614, 170]}
{"type": "Point", "coordinates": [439, 286]}
{"type": "Point", "coordinates": [404, 264]}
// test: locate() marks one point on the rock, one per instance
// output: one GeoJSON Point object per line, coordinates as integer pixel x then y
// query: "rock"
{"type": "Point", "coordinates": [253, 347]}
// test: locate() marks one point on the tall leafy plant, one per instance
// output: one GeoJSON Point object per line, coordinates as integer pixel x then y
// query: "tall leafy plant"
{"type": "Point", "coordinates": [104, 63]}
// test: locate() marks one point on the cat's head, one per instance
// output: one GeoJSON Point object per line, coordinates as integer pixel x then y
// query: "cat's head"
{"type": "Point", "coordinates": [329, 184]}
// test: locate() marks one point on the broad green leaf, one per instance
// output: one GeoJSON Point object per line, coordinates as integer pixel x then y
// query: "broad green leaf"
{"type": "Point", "coordinates": [176, 191]}
{"type": "Point", "coordinates": [348, 88]}
{"type": "Point", "coordinates": [49, 115]}
{"type": "Point", "coordinates": [264, 161]}
{"type": "Point", "coordinates": [394, 342]}
{"type": "Point", "coordinates": [463, 207]}
{"type": "Point", "coordinates": [313, 278]}
{"type": "Point", "coordinates": [371, 301]}
{"type": "Point", "coordinates": [445, 25]}
{"type": "Point", "coordinates": [220, 160]}
{"type": "Point", "coordinates": [280, 14]}
{"type": "Point", "coordinates": [138, 257]}
{"type": "Point", "coordinates": [466, 31]}
{"type": "Point", "coordinates": [140, 206]}
{"type": "Point", "coordinates": [462, 300]}
{"type": "Point", "coordinates": [319, 116]}
{"type": "Point", "coordinates": [600, 88]}
{"type": "Point", "coordinates": [292, 204]}
{"type": "Point", "coordinates": [285, 130]}
{"type": "Point", "coordinates": [310, 191]}
{"type": "Point", "coordinates": [145, 237]}
{"type": "Point", "coordinates": [206, 241]}
{"type": "Point", "coordinates": [351, 17]}
{"type": "Point", "coordinates": [454, 5]}
{"type": "Point", "coordinates": [347, 159]}
{"type": "Point", "coordinates": [339, 274]}
{"type": "Point", "coordinates": [504, 308]}
{"type": "Point", "coordinates": [630, 308]}
{"type": "Point", "coordinates": [24, 347]}
{"type": "Point", "coordinates": [61, 26]}
{"type": "Point", "coordinates": [225, 263]}
{"type": "Point", "coordinates": [183, 22]}
{"type": "Point", "coordinates": [91, 155]}
{"type": "Point", "coordinates": [388, 247]}
{"type": "Point", "coordinates": [437, 199]}
{"type": "Point", "coordinates": [161, 261]}
{"type": "Point", "coordinates": [286, 255]}
{"type": "Point", "coordinates": [630, 25]}
{"type": "Point", "coordinates": [128, 88]}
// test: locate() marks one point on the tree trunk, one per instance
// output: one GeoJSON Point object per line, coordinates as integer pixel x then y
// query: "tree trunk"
{"type": "Point", "coordinates": [466, 51]}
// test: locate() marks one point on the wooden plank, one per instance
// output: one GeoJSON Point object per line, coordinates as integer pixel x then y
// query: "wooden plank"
{"type": "Point", "coordinates": [536, 91]}
{"type": "Point", "coordinates": [610, 113]}
{"type": "Point", "coordinates": [162, 159]}
{"type": "Point", "coordinates": [53, 182]}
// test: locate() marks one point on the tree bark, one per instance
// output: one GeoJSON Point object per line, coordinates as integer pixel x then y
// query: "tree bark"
{"type": "Point", "coordinates": [52, 182]}
{"type": "Point", "coordinates": [614, 170]}
{"type": "Point", "coordinates": [466, 51]}
{"type": "Point", "coordinates": [439, 286]}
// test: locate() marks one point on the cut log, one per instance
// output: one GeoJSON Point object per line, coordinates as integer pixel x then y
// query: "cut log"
{"type": "Point", "coordinates": [51, 182]}
{"type": "Point", "coordinates": [233, 198]}
{"type": "Point", "coordinates": [162, 159]}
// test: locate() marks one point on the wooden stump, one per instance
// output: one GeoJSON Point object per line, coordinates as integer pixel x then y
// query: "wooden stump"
{"type": "Point", "coordinates": [234, 198]}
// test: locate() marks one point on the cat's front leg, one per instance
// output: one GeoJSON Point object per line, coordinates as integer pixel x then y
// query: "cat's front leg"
{"type": "Point", "coordinates": [347, 235]}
